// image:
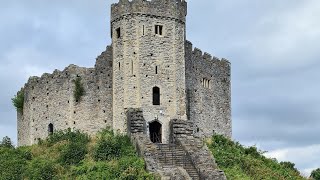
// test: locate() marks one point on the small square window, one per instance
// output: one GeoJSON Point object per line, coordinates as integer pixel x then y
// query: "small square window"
{"type": "Point", "coordinates": [118, 32]}
{"type": "Point", "coordinates": [158, 29]}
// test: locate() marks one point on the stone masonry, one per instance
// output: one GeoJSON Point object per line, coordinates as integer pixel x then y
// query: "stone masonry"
{"type": "Point", "coordinates": [150, 65]}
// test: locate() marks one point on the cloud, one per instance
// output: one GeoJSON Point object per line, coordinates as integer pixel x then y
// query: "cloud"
{"type": "Point", "coordinates": [293, 31]}
{"type": "Point", "coordinates": [308, 156]}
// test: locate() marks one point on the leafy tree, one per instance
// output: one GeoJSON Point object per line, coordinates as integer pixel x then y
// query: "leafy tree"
{"type": "Point", "coordinates": [18, 101]}
{"type": "Point", "coordinates": [6, 142]}
{"type": "Point", "coordinates": [315, 174]}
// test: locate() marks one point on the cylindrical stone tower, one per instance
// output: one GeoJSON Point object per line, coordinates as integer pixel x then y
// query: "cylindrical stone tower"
{"type": "Point", "coordinates": [148, 40]}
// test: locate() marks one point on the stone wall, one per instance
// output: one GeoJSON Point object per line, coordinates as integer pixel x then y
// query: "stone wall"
{"type": "Point", "coordinates": [49, 99]}
{"type": "Point", "coordinates": [208, 92]}
{"type": "Point", "coordinates": [143, 60]}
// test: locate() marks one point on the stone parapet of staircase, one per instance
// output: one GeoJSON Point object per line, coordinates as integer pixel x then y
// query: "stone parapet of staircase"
{"type": "Point", "coordinates": [199, 153]}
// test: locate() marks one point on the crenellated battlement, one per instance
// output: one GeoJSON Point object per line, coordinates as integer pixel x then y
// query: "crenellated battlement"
{"type": "Point", "coordinates": [176, 9]}
{"type": "Point", "coordinates": [204, 56]}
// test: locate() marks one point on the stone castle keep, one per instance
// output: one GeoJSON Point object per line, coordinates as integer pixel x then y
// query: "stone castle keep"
{"type": "Point", "coordinates": [149, 66]}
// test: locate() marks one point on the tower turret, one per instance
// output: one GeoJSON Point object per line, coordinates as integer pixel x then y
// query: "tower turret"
{"type": "Point", "coordinates": [148, 39]}
{"type": "Point", "coordinates": [176, 9]}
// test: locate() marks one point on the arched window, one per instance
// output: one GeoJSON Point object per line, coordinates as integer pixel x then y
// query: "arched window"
{"type": "Point", "coordinates": [50, 128]}
{"type": "Point", "coordinates": [156, 96]}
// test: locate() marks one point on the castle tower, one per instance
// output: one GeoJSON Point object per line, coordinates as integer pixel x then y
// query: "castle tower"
{"type": "Point", "coordinates": [148, 40]}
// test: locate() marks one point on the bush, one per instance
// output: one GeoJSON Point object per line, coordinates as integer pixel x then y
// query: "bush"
{"type": "Point", "coordinates": [64, 155]}
{"type": "Point", "coordinates": [18, 101]}
{"type": "Point", "coordinates": [67, 135]}
{"type": "Point", "coordinates": [124, 168]}
{"type": "Point", "coordinates": [79, 89]}
{"type": "Point", "coordinates": [241, 162]}
{"type": "Point", "coordinates": [289, 165]}
{"type": "Point", "coordinates": [40, 169]}
{"type": "Point", "coordinates": [111, 146]}
{"type": "Point", "coordinates": [12, 163]}
{"type": "Point", "coordinates": [73, 153]}
{"type": "Point", "coordinates": [315, 174]}
{"type": "Point", "coordinates": [75, 148]}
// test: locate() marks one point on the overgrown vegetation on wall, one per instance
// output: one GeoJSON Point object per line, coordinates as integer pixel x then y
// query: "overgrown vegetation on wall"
{"type": "Point", "coordinates": [18, 101]}
{"type": "Point", "coordinates": [78, 90]}
{"type": "Point", "coordinates": [74, 155]}
{"type": "Point", "coordinates": [239, 162]}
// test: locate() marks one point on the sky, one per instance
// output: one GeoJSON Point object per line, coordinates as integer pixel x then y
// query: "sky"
{"type": "Point", "coordinates": [273, 47]}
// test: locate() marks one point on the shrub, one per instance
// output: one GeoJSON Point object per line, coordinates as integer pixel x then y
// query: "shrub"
{"type": "Point", "coordinates": [12, 163]}
{"type": "Point", "coordinates": [75, 148]}
{"type": "Point", "coordinates": [79, 89]}
{"type": "Point", "coordinates": [111, 146]}
{"type": "Point", "coordinates": [18, 101]}
{"type": "Point", "coordinates": [64, 155]}
{"type": "Point", "coordinates": [73, 153]}
{"type": "Point", "coordinates": [128, 167]}
{"type": "Point", "coordinates": [289, 165]}
{"type": "Point", "coordinates": [241, 162]}
{"type": "Point", "coordinates": [315, 174]}
{"type": "Point", "coordinates": [40, 169]}
{"type": "Point", "coordinates": [67, 135]}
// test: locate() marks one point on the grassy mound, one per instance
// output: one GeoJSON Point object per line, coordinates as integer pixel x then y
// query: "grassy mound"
{"type": "Point", "coordinates": [74, 155]}
{"type": "Point", "coordinates": [239, 162]}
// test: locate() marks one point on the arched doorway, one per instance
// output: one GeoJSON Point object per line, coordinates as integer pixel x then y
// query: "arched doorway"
{"type": "Point", "coordinates": [155, 130]}
{"type": "Point", "coordinates": [50, 128]}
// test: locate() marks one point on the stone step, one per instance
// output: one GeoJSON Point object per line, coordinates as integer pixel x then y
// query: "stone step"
{"type": "Point", "coordinates": [172, 156]}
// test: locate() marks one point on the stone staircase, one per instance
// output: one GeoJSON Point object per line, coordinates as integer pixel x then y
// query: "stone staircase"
{"type": "Point", "coordinates": [172, 156]}
{"type": "Point", "coordinates": [186, 158]}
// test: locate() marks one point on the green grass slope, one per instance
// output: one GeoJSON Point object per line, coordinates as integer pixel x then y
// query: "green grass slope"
{"type": "Point", "coordinates": [74, 155]}
{"type": "Point", "coordinates": [239, 162]}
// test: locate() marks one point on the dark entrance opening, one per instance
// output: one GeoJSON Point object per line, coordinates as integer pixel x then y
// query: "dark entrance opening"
{"type": "Point", "coordinates": [50, 129]}
{"type": "Point", "coordinates": [155, 132]}
{"type": "Point", "coordinates": [156, 96]}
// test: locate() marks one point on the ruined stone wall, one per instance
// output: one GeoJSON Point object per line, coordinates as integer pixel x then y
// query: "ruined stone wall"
{"type": "Point", "coordinates": [208, 92]}
{"type": "Point", "coordinates": [49, 99]}
{"type": "Point", "coordinates": [138, 52]}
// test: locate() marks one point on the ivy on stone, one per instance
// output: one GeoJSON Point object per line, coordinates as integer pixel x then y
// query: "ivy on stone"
{"type": "Point", "coordinates": [79, 89]}
{"type": "Point", "coordinates": [18, 101]}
